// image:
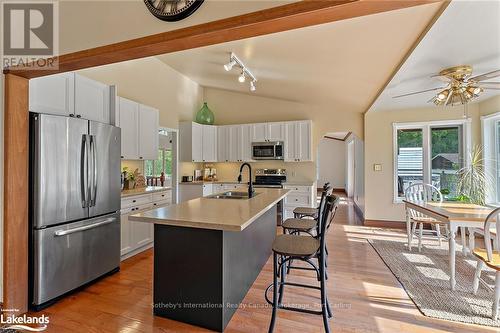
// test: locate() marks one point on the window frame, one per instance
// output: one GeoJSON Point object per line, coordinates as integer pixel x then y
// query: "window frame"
{"type": "Point", "coordinates": [490, 137]}
{"type": "Point", "coordinates": [426, 126]}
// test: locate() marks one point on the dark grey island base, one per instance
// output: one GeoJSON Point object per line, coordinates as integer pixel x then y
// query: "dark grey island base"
{"type": "Point", "coordinates": [202, 275]}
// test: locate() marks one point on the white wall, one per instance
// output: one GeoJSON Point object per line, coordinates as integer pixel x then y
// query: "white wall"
{"type": "Point", "coordinates": [359, 171]}
{"type": "Point", "coordinates": [332, 163]}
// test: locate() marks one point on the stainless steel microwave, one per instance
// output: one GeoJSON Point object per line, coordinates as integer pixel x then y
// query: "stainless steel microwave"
{"type": "Point", "coordinates": [268, 150]}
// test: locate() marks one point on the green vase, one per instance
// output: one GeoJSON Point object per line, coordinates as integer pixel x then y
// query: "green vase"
{"type": "Point", "coordinates": [205, 116]}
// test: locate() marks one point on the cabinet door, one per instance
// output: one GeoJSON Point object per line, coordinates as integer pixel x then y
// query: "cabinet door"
{"type": "Point", "coordinates": [148, 133]}
{"type": "Point", "coordinates": [223, 144]}
{"type": "Point", "coordinates": [290, 142]}
{"type": "Point", "coordinates": [209, 134]}
{"type": "Point", "coordinates": [53, 94]}
{"type": "Point", "coordinates": [140, 232]}
{"type": "Point", "coordinates": [275, 131]}
{"type": "Point", "coordinates": [259, 132]}
{"type": "Point", "coordinates": [92, 99]}
{"type": "Point", "coordinates": [197, 142]}
{"type": "Point", "coordinates": [234, 143]}
{"type": "Point", "coordinates": [125, 233]}
{"type": "Point", "coordinates": [208, 189]}
{"type": "Point", "coordinates": [303, 141]}
{"type": "Point", "coordinates": [246, 143]}
{"type": "Point", "coordinates": [129, 113]}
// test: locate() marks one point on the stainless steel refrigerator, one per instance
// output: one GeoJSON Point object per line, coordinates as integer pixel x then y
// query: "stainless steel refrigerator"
{"type": "Point", "coordinates": [74, 204]}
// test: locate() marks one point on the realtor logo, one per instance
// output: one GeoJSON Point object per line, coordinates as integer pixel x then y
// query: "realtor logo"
{"type": "Point", "coordinates": [29, 34]}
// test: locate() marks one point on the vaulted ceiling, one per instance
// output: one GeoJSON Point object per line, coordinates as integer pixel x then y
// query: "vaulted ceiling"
{"type": "Point", "coordinates": [342, 64]}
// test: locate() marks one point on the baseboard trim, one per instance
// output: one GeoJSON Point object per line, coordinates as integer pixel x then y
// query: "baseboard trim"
{"type": "Point", "coordinates": [385, 224]}
{"type": "Point", "coordinates": [136, 251]}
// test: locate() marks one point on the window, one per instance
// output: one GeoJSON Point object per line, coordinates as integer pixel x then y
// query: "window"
{"type": "Point", "coordinates": [430, 153]}
{"type": "Point", "coordinates": [491, 154]}
{"type": "Point", "coordinates": [163, 164]}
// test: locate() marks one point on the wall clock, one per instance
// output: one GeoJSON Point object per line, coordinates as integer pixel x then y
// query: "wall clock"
{"type": "Point", "coordinates": [172, 10]}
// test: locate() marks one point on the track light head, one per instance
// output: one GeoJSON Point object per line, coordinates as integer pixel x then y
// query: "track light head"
{"type": "Point", "coordinates": [252, 86]}
{"type": "Point", "coordinates": [242, 77]}
{"type": "Point", "coordinates": [229, 65]}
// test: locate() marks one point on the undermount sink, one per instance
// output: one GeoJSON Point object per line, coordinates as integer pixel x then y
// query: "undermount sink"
{"type": "Point", "coordinates": [231, 195]}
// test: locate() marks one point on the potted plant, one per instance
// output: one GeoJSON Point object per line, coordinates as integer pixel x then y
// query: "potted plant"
{"type": "Point", "coordinates": [129, 179]}
{"type": "Point", "coordinates": [473, 179]}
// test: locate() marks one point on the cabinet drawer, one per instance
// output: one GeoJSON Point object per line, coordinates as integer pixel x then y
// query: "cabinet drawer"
{"type": "Point", "coordinates": [301, 189]}
{"type": "Point", "coordinates": [161, 196]}
{"type": "Point", "coordinates": [161, 203]}
{"type": "Point", "coordinates": [135, 201]}
{"type": "Point", "coordinates": [298, 199]}
{"type": "Point", "coordinates": [136, 209]}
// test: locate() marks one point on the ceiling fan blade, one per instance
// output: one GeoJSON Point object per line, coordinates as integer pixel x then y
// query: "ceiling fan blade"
{"type": "Point", "coordinates": [486, 76]}
{"type": "Point", "coordinates": [419, 92]}
{"type": "Point", "coordinates": [490, 88]}
{"type": "Point", "coordinates": [489, 83]}
{"type": "Point", "coordinates": [441, 78]}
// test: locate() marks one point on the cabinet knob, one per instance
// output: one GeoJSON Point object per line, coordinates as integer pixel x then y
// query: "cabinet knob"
{"type": "Point", "coordinates": [78, 116]}
{"type": "Point", "coordinates": [71, 115]}
{"type": "Point", "coordinates": [140, 157]}
{"type": "Point", "coordinates": [133, 200]}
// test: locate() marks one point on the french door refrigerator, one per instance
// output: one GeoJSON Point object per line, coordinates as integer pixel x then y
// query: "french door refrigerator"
{"type": "Point", "coordinates": [74, 204]}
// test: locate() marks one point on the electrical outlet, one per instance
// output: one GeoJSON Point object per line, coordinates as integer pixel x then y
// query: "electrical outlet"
{"type": "Point", "coordinates": [377, 167]}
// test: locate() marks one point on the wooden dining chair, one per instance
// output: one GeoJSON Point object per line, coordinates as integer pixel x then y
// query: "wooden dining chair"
{"type": "Point", "coordinates": [423, 192]}
{"type": "Point", "coordinates": [489, 257]}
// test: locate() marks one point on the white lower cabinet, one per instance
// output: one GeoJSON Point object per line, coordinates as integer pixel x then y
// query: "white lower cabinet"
{"type": "Point", "coordinates": [299, 196]}
{"type": "Point", "coordinates": [198, 190]}
{"type": "Point", "coordinates": [138, 236]}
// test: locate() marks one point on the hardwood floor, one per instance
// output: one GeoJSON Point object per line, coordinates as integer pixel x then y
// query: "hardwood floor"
{"type": "Point", "coordinates": [364, 294]}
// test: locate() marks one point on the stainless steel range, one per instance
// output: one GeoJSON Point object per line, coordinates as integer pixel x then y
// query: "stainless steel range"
{"type": "Point", "coordinates": [271, 178]}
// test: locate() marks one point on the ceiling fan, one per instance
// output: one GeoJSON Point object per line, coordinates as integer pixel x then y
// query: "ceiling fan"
{"type": "Point", "coordinates": [460, 87]}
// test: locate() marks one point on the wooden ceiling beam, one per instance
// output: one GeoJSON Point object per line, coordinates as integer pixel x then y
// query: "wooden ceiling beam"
{"type": "Point", "coordinates": [277, 19]}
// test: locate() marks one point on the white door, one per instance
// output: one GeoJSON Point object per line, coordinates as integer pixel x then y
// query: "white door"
{"type": "Point", "coordinates": [234, 143]}
{"type": "Point", "coordinates": [129, 116]}
{"type": "Point", "coordinates": [246, 143]}
{"type": "Point", "coordinates": [92, 99]}
{"type": "Point", "coordinates": [303, 141]}
{"type": "Point", "coordinates": [223, 144]}
{"type": "Point", "coordinates": [53, 94]}
{"type": "Point", "coordinates": [140, 232]}
{"type": "Point", "coordinates": [290, 142]}
{"type": "Point", "coordinates": [125, 232]}
{"type": "Point", "coordinates": [209, 134]}
{"type": "Point", "coordinates": [259, 132]}
{"type": "Point", "coordinates": [275, 131]}
{"type": "Point", "coordinates": [350, 169]}
{"type": "Point", "coordinates": [148, 132]}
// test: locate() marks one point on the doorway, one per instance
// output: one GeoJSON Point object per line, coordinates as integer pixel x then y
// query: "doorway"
{"type": "Point", "coordinates": [350, 168]}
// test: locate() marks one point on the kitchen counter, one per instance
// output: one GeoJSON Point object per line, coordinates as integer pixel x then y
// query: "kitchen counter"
{"type": "Point", "coordinates": [214, 214]}
{"type": "Point", "coordinates": [208, 253]}
{"type": "Point", "coordinates": [201, 182]}
{"type": "Point", "coordinates": [298, 183]}
{"type": "Point", "coordinates": [143, 190]}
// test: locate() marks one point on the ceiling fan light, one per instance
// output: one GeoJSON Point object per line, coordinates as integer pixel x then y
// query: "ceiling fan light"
{"type": "Point", "coordinates": [442, 95]}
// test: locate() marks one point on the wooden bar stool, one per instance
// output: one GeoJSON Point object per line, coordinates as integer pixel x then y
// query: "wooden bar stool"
{"type": "Point", "coordinates": [310, 212]}
{"type": "Point", "coordinates": [303, 248]}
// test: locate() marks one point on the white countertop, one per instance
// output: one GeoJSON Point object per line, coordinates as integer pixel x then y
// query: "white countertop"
{"type": "Point", "coordinates": [215, 214]}
{"type": "Point", "coordinates": [143, 190]}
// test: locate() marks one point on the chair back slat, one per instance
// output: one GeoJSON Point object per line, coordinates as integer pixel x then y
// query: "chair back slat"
{"type": "Point", "coordinates": [326, 215]}
{"type": "Point", "coordinates": [422, 192]}
{"type": "Point", "coordinates": [494, 216]}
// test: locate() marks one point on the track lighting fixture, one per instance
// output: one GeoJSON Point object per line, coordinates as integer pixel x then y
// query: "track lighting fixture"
{"type": "Point", "coordinates": [245, 72]}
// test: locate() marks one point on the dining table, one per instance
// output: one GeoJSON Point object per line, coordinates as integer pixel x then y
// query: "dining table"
{"type": "Point", "coordinates": [452, 214]}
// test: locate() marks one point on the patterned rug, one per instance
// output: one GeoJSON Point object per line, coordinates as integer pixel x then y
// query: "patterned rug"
{"type": "Point", "coordinates": [425, 277]}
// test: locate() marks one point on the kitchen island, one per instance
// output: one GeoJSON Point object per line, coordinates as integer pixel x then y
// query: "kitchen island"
{"type": "Point", "coordinates": [207, 254]}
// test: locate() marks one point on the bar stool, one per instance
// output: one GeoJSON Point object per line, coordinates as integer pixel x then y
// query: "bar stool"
{"type": "Point", "coordinates": [303, 248]}
{"type": "Point", "coordinates": [311, 212]}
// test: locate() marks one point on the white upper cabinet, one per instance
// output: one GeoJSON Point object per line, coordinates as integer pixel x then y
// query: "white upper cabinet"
{"type": "Point", "coordinates": [70, 94]}
{"type": "Point", "coordinates": [92, 99]}
{"type": "Point", "coordinates": [148, 132]}
{"type": "Point", "coordinates": [276, 131]}
{"type": "Point", "coordinates": [264, 132]}
{"type": "Point", "coordinates": [53, 94]}
{"type": "Point", "coordinates": [298, 143]}
{"type": "Point", "coordinates": [245, 145]}
{"type": "Point", "coordinates": [223, 143]}
{"type": "Point", "coordinates": [198, 143]}
{"type": "Point", "coordinates": [209, 134]}
{"type": "Point", "coordinates": [234, 143]}
{"type": "Point", "coordinates": [129, 118]}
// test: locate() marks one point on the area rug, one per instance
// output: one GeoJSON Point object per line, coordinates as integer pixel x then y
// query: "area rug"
{"type": "Point", "coordinates": [425, 277]}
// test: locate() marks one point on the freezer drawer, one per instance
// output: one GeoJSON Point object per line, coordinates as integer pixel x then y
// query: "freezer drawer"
{"type": "Point", "coordinates": [70, 255]}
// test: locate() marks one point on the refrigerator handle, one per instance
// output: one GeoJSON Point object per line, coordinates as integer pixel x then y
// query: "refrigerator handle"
{"type": "Point", "coordinates": [93, 193]}
{"type": "Point", "coordinates": [84, 170]}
